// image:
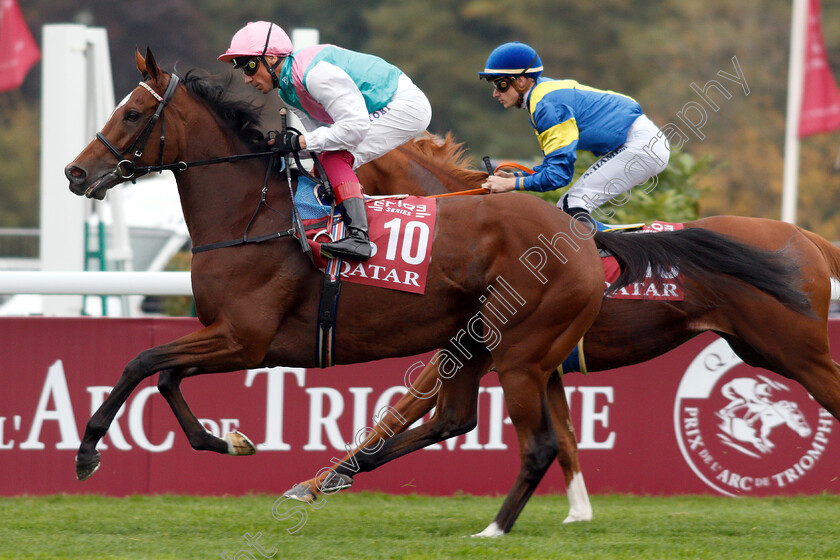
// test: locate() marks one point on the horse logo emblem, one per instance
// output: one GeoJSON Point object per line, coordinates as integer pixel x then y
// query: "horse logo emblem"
{"type": "Point", "coordinates": [751, 415]}
{"type": "Point", "coordinates": [743, 431]}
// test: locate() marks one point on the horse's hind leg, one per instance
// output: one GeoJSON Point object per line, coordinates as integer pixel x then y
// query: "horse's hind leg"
{"type": "Point", "coordinates": [821, 378]}
{"type": "Point", "coordinates": [801, 355]}
{"type": "Point", "coordinates": [411, 407]}
{"type": "Point", "coordinates": [567, 455]}
{"type": "Point", "coordinates": [233, 443]}
{"type": "Point", "coordinates": [455, 414]}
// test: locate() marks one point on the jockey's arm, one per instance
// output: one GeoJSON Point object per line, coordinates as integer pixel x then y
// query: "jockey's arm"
{"type": "Point", "coordinates": [333, 88]}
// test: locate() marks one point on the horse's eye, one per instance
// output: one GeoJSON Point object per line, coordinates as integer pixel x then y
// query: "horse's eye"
{"type": "Point", "coordinates": [132, 115]}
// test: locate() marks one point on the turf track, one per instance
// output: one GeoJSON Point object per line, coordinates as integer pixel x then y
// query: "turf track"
{"type": "Point", "coordinates": [381, 526]}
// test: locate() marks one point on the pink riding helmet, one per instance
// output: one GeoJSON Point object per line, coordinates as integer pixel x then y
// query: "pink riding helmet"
{"type": "Point", "coordinates": [254, 40]}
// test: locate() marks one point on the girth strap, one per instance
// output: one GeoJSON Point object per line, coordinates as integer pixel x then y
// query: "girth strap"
{"type": "Point", "coordinates": [327, 311]}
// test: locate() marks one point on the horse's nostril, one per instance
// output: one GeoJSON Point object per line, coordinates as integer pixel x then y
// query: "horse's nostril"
{"type": "Point", "coordinates": [74, 173]}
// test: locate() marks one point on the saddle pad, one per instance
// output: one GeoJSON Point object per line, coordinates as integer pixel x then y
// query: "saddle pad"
{"type": "Point", "coordinates": [401, 230]}
{"type": "Point", "coordinates": [308, 204]}
{"type": "Point", "coordinates": [666, 289]}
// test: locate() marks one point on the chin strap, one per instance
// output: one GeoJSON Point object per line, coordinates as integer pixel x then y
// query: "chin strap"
{"type": "Point", "coordinates": [274, 80]}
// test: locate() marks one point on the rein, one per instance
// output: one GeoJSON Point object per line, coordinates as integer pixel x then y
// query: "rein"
{"type": "Point", "coordinates": [460, 193]}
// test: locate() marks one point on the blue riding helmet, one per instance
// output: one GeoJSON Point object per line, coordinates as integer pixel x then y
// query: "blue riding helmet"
{"type": "Point", "coordinates": [512, 59]}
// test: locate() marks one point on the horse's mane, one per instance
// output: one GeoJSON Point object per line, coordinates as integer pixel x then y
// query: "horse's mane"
{"type": "Point", "coordinates": [241, 116]}
{"type": "Point", "coordinates": [444, 154]}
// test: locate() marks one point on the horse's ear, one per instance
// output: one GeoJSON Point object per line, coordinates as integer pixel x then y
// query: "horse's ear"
{"type": "Point", "coordinates": [151, 66]}
{"type": "Point", "coordinates": [141, 62]}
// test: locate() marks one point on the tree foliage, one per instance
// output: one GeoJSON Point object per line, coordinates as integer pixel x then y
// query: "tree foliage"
{"type": "Point", "coordinates": [653, 51]}
{"type": "Point", "coordinates": [19, 143]}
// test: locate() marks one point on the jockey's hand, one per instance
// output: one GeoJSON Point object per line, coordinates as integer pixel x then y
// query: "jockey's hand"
{"type": "Point", "coordinates": [502, 181]}
{"type": "Point", "coordinates": [286, 142]}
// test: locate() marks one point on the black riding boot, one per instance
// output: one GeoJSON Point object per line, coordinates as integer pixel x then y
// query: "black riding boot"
{"type": "Point", "coordinates": [578, 213]}
{"type": "Point", "coordinates": [356, 245]}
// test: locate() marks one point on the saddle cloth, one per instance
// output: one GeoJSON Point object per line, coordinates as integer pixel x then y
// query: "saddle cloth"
{"type": "Point", "coordinates": [663, 289]}
{"type": "Point", "coordinates": [401, 230]}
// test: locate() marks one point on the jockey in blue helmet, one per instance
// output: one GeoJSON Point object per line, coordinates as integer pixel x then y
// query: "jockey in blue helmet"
{"type": "Point", "coordinates": [568, 116]}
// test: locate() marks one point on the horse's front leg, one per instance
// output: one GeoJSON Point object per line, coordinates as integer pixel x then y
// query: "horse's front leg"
{"type": "Point", "coordinates": [87, 459]}
{"type": "Point", "coordinates": [212, 348]}
{"type": "Point", "coordinates": [233, 443]}
{"type": "Point", "coordinates": [525, 395]}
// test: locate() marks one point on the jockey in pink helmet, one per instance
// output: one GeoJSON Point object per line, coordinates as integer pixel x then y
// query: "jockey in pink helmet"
{"type": "Point", "coordinates": [355, 107]}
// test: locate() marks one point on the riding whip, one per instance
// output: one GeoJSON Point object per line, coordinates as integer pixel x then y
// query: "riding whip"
{"type": "Point", "coordinates": [488, 165]}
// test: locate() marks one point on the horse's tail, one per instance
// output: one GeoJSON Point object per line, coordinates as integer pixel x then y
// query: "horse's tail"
{"type": "Point", "coordinates": [704, 256]}
{"type": "Point", "coordinates": [830, 252]}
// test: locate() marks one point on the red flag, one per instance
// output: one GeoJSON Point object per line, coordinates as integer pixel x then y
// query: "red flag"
{"type": "Point", "coordinates": [18, 50]}
{"type": "Point", "coordinates": [820, 96]}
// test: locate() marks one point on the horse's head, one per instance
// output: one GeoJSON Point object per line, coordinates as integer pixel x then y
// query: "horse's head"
{"type": "Point", "coordinates": [113, 157]}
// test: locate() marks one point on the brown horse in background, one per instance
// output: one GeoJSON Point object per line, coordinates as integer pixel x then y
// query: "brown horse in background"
{"type": "Point", "coordinates": [259, 301]}
{"type": "Point", "coordinates": [764, 333]}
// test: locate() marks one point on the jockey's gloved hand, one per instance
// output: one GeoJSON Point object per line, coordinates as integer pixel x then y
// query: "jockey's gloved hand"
{"type": "Point", "coordinates": [325, 193]}
{"type": "Point", "coordinates": [285, 142]}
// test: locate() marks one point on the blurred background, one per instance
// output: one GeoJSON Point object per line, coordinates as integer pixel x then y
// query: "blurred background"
{"type": "Point", "coordinates": [652, 51]}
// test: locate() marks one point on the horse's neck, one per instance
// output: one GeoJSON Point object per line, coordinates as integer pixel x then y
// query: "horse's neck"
{"type": "Point", "coordinates": [219, 200]}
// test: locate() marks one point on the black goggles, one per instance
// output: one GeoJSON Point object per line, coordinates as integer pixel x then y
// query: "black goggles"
{"type": "Point", "coordinates": [503, 84]}
{"type": "Point", "coordinates": [248, 65]}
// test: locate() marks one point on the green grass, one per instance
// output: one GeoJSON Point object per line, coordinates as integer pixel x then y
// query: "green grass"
{"type": "Point", "coordinates": [416, 527]}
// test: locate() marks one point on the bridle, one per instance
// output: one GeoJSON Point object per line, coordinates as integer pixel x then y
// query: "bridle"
{"type": "Point", "coordinates": [126, 169]}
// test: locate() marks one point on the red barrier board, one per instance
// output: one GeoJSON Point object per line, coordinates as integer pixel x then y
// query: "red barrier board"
{"type": "Point", "coordinates": [696, 420]}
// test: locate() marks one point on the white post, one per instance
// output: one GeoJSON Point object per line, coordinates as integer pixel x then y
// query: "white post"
{"type": "Point", "coordinates": [101, 84]}
{"type": "Point", "coordinates": [796, 73]}
{"type": "Point", "coordinates": [100, 106]}
{"type": "Point", "coordinates": [63, 136]}
{"type": "Point", "coordinates": [76, 100]}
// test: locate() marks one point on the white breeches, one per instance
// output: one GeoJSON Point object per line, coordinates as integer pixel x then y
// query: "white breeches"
{"type": "Point", "coordinates": [643, 155]}
{"type": "Point", "coordinates": [407, 115]}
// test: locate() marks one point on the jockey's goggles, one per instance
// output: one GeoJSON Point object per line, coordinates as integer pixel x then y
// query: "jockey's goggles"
{"type": "Point", "coordinates": [249, 65]}
{"type": "Point", "coordinates": [503, 84]}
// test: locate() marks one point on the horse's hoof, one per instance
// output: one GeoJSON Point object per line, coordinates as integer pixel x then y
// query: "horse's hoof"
{"type": "Point", "coordinates": [578, 517]}
{"type": "Point", "coordinates": [301, 493]}
{"type": "Point", "coordinates": [85, 469]}
{"type": "Point", "coordinates": [239, 444]}
{"type": "Point", "coordinates": [492, 531]}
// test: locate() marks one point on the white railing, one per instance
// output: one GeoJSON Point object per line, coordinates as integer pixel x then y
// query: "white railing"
{"type": "Point", "coordinates": [96, 283]}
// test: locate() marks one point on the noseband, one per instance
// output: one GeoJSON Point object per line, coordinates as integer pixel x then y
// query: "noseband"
{"type": "Point", "coordinates": [125, 168]}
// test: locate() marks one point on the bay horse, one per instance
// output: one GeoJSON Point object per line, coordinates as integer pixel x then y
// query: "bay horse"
{"type": "Point", "coordinates": [258, 302]}
{"type": "Point", "coordinates": [766, 334]}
